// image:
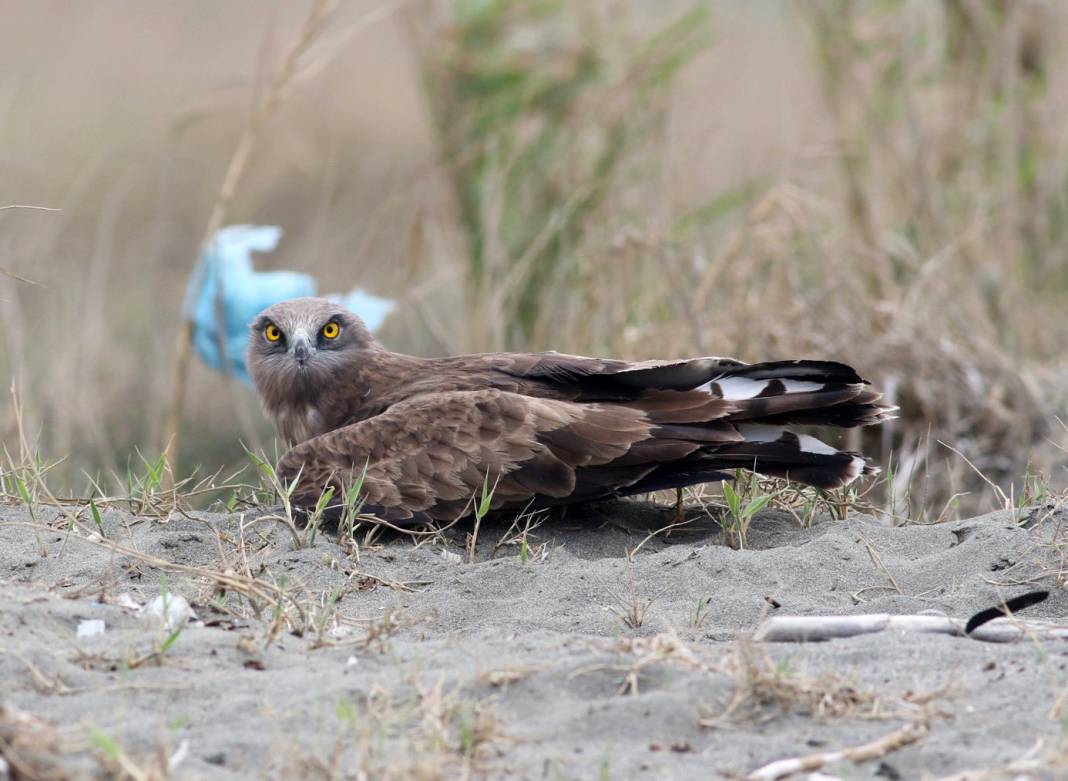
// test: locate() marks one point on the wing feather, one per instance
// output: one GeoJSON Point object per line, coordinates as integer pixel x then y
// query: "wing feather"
{"type": "Point", "coordinates": [431, 453]}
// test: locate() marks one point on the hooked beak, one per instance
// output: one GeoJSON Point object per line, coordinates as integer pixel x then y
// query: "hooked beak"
{"type": "Point", "coordinates": [302, 348]}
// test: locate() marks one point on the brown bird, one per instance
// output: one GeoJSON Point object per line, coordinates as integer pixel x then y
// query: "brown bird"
{"type": "Point", "coordinates": [545, 429]}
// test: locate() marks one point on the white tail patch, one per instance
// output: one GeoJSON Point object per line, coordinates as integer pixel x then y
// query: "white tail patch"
{"type": "Point", "coordinates": [802, 386]}
{"type": "Point", "coordinates": [760, 432]}
{"type": "Point", "coordinates": [813, 445]}
{"type": "Point", "coordinates": [857, 467]}
{"type": "Point", "coordinates": [741, 388]}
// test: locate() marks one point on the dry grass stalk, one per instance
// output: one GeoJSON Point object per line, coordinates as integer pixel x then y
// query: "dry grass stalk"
{"type": "Point", "coordinates": [157, 766]}
{"type": "Point", "coordinates": [632, 552]}
{"type": "Point", "coordinates": [431, 733]}
{"type": "Point", "coordinates": [873, 554]}
{"type": "Point", "coordinates": [802, 629]}
{"type": "Point", "coordinates": [7, 272]}
{"type": "Point", "coordinates": [1039, 761]}
{"type": "Point", "coordinates": [901, 737]}
{"type": "Point", "coordinates": [30, 747]}
{"type": "Point", "coordinates": [521, 537]}
{"type": "Point", "coordinates": [764, 689]}
{"type": "Point", "coordinates": [376, 633]}
{"type": "Point", "coordinates": [644, 652]}
{"type": "Point", "coordinates": [260, 595]}
{"type": "Point", "coordinates": [632, 609]}
{"type": "Point", "coordinates": [503, 677]}
{"type": "Point", "coordinates": [279, 87]}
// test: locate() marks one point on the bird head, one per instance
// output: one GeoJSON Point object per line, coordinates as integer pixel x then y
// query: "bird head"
{"type": "Point", "coordinates": [299, 346]}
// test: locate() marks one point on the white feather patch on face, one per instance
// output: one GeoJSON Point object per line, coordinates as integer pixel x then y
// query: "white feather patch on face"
{"type": "Point", "coordinates": [741, 388]}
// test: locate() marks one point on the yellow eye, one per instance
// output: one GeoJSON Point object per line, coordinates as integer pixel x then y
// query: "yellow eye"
{"type": "Point", "coordinates": [331, 330]}
{"type": "Point", "coordinates": [272, 333]}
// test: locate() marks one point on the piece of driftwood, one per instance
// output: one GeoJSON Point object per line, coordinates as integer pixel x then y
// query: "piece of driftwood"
{"type": "Point", "coordinates": [899, 738]}
{"type": "Point", "coordinates": [800, 629]}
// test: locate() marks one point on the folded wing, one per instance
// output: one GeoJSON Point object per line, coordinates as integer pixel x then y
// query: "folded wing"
{"type": "Point", "coordinates": [429, 456]}
{"type": "Point", "coordinates": [774, 392]}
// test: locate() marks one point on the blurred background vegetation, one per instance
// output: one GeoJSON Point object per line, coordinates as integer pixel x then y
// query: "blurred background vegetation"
{"type": "Point", "coordinates": [883, 182]}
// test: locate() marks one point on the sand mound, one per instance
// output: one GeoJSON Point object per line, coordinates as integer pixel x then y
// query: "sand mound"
{"type": "Point", "coordinates": [566, 658]}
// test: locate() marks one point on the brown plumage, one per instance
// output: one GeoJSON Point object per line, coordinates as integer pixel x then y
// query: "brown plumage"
{"type": "Point", "coordinates": [545, 428]}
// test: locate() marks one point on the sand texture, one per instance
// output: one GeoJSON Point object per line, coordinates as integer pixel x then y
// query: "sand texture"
{"type": "Point", "coordinates": [410, 662]}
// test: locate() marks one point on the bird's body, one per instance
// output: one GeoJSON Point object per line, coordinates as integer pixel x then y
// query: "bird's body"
{"type": "Point", "coordinates": [543, 428]}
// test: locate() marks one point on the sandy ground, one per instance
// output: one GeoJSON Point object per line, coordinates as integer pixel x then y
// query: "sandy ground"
{"type": "Point", "coordinates": [411, 662]}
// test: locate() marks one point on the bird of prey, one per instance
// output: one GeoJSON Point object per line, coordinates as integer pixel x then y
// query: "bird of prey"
{"type": "Point", "coordinates": [544, 429]}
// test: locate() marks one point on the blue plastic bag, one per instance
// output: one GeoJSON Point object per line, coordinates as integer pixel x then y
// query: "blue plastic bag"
{"type": "Point", "coordinates": [226, 262]}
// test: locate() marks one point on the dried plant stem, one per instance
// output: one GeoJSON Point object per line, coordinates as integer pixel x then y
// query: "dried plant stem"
{"type": "Point", "coordinates": [899, 738]}
{"type": "Point", "coordinates": [1006, 503]}
{"type": "Point", "coordinates": [272, 97]}
{"type": "Point", "coordinates": [876, 559]}
{"type": "Point", "coordinates": [259, 593]}
{"type": "Point", "coordinates": [802, 629]}
{"type": "Point", "coordinates": [5, 271]}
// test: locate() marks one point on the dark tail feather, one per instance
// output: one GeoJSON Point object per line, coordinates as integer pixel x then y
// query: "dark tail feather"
{"type": "Point", "coordinates": [671, 476]}
{"type": "Point", "coordinates": [800, 391]}
{"type": "Point", "coordinates": [801, 370]}
{"type": "Point", "coordinates": [734, 414]}
{"type": "Point", "coordinates": [848, 415]}
{"type": "Point", "coordinates": [778, 460]}
{"type": "Point", "coordinates": [820, 393]}
{"type": "Point", "coordinates": [687, 375]}
{"type": "Point", "coordinates": [766, 449]}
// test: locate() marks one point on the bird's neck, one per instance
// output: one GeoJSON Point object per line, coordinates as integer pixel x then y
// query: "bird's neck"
{"type": "Point", "coordinates": [367, 385]}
